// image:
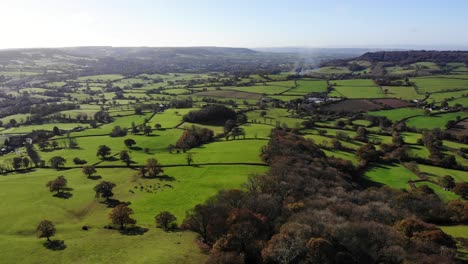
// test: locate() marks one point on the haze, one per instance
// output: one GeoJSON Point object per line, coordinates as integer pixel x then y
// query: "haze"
{"type": "Point", "coordinates": [430, 24]}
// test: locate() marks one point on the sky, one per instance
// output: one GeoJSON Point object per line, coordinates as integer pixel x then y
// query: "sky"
{"type": "Point", "coordinates": [236, 23]}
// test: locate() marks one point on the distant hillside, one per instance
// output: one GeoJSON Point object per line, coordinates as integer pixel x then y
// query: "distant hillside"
{"type": "Point", "coordinates": [408, 57]}
{"type": "Point", "coordinates": [132, 60]}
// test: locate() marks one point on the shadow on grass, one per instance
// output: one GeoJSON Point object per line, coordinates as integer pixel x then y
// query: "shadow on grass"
{"type": "Point", "coordinates": [135, 148]}
{"type": "Point", "coordinates": [111, 159]}
{"type": "Point", "coordinates": [153, 135]}
{"type": "Point", "coordinates": [96, 177]}
{"type": "Point", "coordinates": [63, 195]}
{"type": "Point", "coordinates": [111, 203]}
{"type": "Point", "coordinates": [133, 231]}
{"type": "Point", "coordinates": [55, 245]}
{"type": "Point", "coordinates": [161, 178]}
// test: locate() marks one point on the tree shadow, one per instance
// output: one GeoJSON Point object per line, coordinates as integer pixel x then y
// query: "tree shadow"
{"type": "Point", "coordinates": [134, 231]}
{"type": "Point", "coordinates": [63, 195]}
{"type": "Point", "coordinates": [96, 177]}
{"type": "Point", "coordinates": [55, 245]}
{"type": "Point", "coordinates": [111, 203]}
{"type": "Point", "coordinates": [161, 177]}
{"type": "Point", "coordinates": [111, 159]}
{"type": "Point", "coordinates": [135, 148]}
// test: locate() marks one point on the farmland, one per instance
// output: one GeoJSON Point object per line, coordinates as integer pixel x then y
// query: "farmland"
{"type": "Point", "coordinates": [381, 134]}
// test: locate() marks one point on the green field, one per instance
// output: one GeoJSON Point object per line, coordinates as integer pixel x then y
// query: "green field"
{"type": "Point", "coordinates": [434, 121]}
{"type": "Point", "coordinates": [438, 84]}
{"type": "Point", "coordinates": [262, 89]}
{"type": "Point", "coordinates": [22, 194]}
{"type": "Point", "coordinates": [357, 92]}
{"type": "Point", "coordinates": [305, 87]}
{"type": "Point", "coordinates": [395, 176]}
{"type": "Point", "coordinates": [398, 114]}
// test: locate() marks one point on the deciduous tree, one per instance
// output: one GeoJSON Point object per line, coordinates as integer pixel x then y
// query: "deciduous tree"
{"type": "Point", "coordinates": [120, 215]}
{"type": "Point", "coordinates": [45, 229]}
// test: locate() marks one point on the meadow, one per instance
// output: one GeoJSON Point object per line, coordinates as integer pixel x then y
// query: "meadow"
{"type": "Point", "coordinates": [218, 165]}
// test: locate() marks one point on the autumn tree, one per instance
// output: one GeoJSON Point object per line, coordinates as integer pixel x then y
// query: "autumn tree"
{"type": "Point", "coordinates": [103, 151]}
{"type": "Point", "coordinates": [367, 153]}
{"type": "Point", "coordinates": [289, 245]}
{"type": "Point", "coordinates": [57, 185]}
{"type": "Point", "coordinates": [153, 167]}
{"type": "Point", "coordinates": [88, 170]}
{"type": "Point", "coordinates": [461, 188]}
{"type": "Point", "coordinates": [45, 229]}
{"type": "Point", "coordinates": [320, 251]}
{"type": "Point", "coordinates": [397, 139]}
{"type": "Point", "coordinates": [447, 182]}
{"type": "Point", "coordinates": [164, 220]}
{"type": "Point", "coordinates": [104, 190]}
{"type": "Point", "coordinates": [120, 215]}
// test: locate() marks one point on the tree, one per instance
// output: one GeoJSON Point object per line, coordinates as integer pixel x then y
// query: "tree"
{"type": "Point", "coordinates": [32, 153]}
{"type": "Point", "coordinates": [189, 158]}
{"type": "Point", "coordinates": [88, 170]}
{"type": "Point", "coordinates": [54, 144]}
{"type": "Point", "coordinates": [320, 251]}
{"type": "Point", "coordinates": [448, 182]}
{"type": "Point", "coordinates": [120, 215]}
{"type": "Point", "coordinates": [57, 162]}
{"type": "Point", "coordinates": [153, 167]}
{"type": "Point", "coordinates": [45, 229]}
{"type": "Point", "coordinates": [125, 157]}
{"type": "Point", "coordinates": [129, 142]}
{"type": "Point", "coordinates": [461, 188]}
{"type": "Point", "coordinates": [164, 219]}
{"type": "Point", "coordinates": [103, 151]}
{"type": "Point", "coordinates": [104, 190]}
{"type": "Point", "coordinates": [397, 139]}
{"type": "Point", "coordinates": [367, 153]}
{"type": "Point", "coordinates": [118, 131]}
{"type": "Point", "coordinates": [157, 126]}
{"type": "Point", "coordinates": [17, 163]}
{"type": "Point", "coordinates": [147, 130]}
{"type": "Point", "coordinates": [57, 185]}
{"type": "Point", "coordinates": [56, 131]}
{"type": "Point", "coordinates": [13, 122]}
{"type": "Point", "coordinates": [361, 134]}
{"type": "Point", "coordinates": [229, 125]}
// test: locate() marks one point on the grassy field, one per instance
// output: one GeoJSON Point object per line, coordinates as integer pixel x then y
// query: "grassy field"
{"type": "Point", "coordinates": [357, 92]}
{"type": "Point", "coordinates": [24, 193]}
{"type": "Point", "coordinates": [434, 121]}
{"type": "Point", "coordinates": [305, 87]}
{"type": "Point", "coordinates": [262, 89]}
{"type": "Point", "coordinates": [402, 92]}
{"type": "Point", "coordinates": [398, 114]}
{"type": "Point", "coordinates": [104, 77]}
{"type": "Point", "coordinates": [438, 84]}
{"type": "Point", "coordinates": [332, 70]}
{"type": "Point", "coordinates": [444, 195]}
{"type": "Point", "coordinates": [395, 176]}
{"type": "Point", "coordinates": [222, 164]}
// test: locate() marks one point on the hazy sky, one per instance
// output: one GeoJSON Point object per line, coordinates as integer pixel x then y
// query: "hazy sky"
{"type": "Point", "coordinates": [239, 23]}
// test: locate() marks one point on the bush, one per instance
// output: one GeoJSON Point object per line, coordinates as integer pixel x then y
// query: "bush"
{"type": "Point", "coordinates": [79, 161]}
